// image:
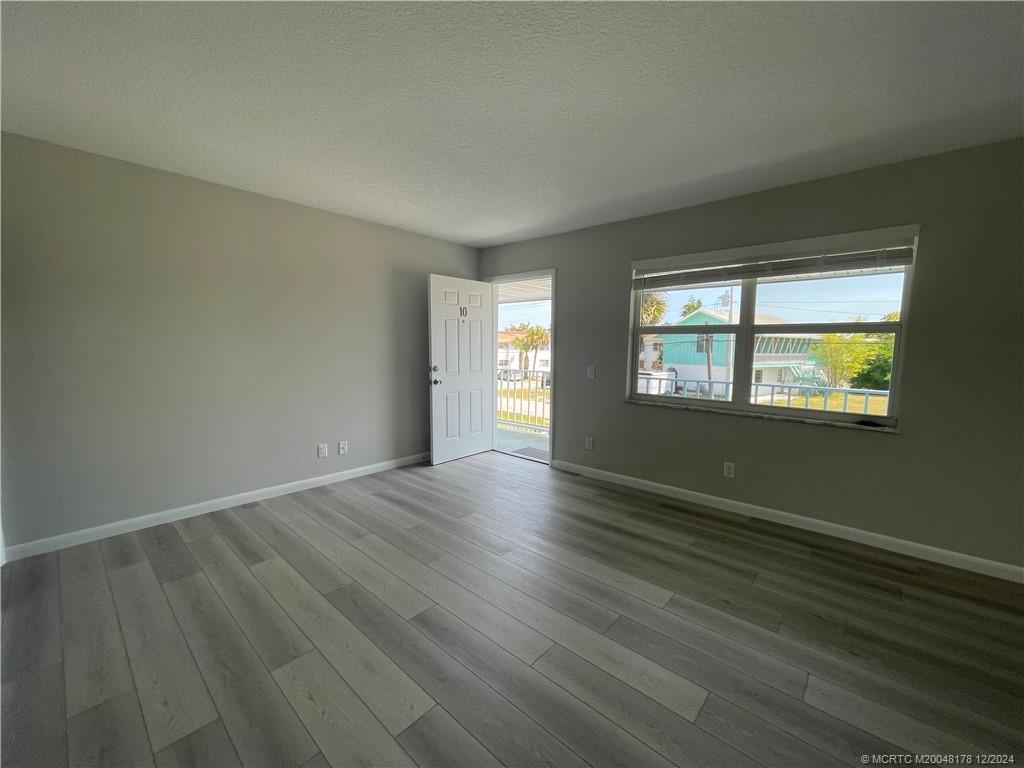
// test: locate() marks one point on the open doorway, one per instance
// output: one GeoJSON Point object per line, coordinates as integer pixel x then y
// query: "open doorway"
{"type": "Point", "coordinates": [524, 347]}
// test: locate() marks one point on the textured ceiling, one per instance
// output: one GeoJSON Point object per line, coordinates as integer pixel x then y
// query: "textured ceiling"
{"type": "Point", "coordinates": [490, 122]}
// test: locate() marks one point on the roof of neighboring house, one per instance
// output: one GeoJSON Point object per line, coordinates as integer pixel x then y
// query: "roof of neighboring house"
{"type": "Point", "coordinates": [504, 337]}
{"type": "Point", "coordinates": [723, 317]}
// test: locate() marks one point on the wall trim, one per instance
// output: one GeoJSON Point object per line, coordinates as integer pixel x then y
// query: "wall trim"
{"type": "Point", "coordinates": [901, 546]}
{"type": "Point", "coordinates": [85, 535]}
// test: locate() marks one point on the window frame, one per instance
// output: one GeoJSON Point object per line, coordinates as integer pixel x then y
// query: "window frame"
{"type": "Point", "coordinates": [746, 332]}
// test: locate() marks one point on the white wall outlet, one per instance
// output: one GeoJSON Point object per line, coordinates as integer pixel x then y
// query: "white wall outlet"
{"type": "Point", "coordinates": [729, 470]}
{"type": "Point", "coordinates": [342, 447]}
{"type": "Point", "coordinates": [321, 450]}
{"type": "Point", "coordinates": [588, 443]}
{"type": "Point", "coordinates": [591, 372]}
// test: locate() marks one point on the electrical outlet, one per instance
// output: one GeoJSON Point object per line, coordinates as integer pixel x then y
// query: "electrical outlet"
{"type": "Point", "coordinates": [729, 470]}
{"type": "Point", "coordinates": [588, 443]}
{"type": "Point", "coordinates": [342, 447]}
{"type": "Point", "coordinates": [591, 372]}
{"type": "Point", "coordinates": [321, 450]}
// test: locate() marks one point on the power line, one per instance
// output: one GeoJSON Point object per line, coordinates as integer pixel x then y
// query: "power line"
{"type": "Point", "coordinates": [837, 301]}
{"type": "Point", "coordinates": [825, 311]}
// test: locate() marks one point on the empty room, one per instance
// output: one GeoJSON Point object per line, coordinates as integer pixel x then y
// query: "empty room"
{"type": "Point", "coordinates": [520, 384]}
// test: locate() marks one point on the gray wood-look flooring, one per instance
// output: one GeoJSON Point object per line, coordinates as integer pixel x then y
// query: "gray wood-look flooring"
{"type": "Point", "coordinates": [493, 611]}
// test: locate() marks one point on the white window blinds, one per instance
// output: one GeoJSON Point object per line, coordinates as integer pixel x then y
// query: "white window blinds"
{"type": "Point", "coordinates": [892, 247]}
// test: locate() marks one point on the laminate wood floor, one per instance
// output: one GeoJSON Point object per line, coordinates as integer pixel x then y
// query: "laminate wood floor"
{"type": "Point", "coordinates": [493, 611]}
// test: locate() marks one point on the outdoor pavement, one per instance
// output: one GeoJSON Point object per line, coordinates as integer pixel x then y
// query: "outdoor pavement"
{"type": "Point", "coordinates": [528, 444]}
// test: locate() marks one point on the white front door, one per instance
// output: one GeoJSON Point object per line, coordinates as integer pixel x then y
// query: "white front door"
{"type": "Point", "coordinates": [461, 368]}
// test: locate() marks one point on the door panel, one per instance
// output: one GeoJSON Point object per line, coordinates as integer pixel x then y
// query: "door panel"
{"type": "Point", "coordinates": [451, 414]}
{"type": "Point", "coordinates": [476, 352]}
{"type": "Point", "coordinates": [451, 345]}
{"type": "Point", "coordinates": [461, 368]}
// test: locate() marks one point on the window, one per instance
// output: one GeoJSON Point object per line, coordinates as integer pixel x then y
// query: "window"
{"type": "Point", "coordinates": [826, 314]}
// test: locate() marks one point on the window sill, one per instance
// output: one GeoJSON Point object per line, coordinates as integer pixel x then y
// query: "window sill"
{"type": "Point", "coordinates": [762, 414]}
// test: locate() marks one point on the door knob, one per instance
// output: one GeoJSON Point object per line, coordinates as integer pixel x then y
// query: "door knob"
{"type": "Point", "coordinates": [434, 368]}
{"type": "Point", "coordinates": [436, 381]}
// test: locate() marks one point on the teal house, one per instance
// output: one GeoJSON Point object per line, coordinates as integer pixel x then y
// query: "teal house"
{"type": "Point", "coordinates": [680, 351]}
{"type": "Point", "coordinates": [782, 358]}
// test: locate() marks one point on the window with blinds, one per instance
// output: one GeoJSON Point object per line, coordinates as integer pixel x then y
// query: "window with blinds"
{"type": "Point", "coordinates": [810, 329]}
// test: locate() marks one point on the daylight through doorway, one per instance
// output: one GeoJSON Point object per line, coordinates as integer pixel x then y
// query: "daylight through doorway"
{"type": "Point", "coordinates": [524, 368]}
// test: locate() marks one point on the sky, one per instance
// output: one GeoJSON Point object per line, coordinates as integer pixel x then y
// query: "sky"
{"type": "Point", "coordinates": [532, 312]}
{"type": "Point", "coordinates": [837, 299]}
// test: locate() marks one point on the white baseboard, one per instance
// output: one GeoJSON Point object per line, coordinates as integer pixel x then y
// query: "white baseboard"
{"type": "Point", "coordinates": [901, 546]}
{"type": "Point", "coordinates": [85, 535]}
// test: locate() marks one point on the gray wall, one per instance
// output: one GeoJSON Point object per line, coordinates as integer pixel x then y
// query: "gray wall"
{"type": "Point", "coordinates": [168, 341]}
{"type": "Point", "coordinates": [952, 479]}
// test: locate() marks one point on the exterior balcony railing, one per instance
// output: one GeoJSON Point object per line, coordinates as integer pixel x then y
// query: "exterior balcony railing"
{"type": "Point", "coordinates": [807, 396]}
{"type": "Point", "coordinates": [837, 399]}
{"type": "Point", "coordinates": [701, 389]}
{"type": "Point", "coordinates": [524, 399]}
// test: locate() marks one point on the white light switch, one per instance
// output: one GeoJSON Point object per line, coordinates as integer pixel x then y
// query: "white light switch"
{"type": "Point", "coordinates": [590, 372]}
{"type": "Point", "coordinates": [588, 443]}
{"type": "Point", "coordinates": [321, 451]}
{"type": "Point", "coordinates": [342, 447]}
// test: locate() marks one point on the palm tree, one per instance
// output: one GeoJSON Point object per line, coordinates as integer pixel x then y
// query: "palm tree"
{"type": "Point", "coordinates": [538, 338]}
{"type": "Point", "coordinates": [529, 338]}
{"type": "Point", "coordinates": [692, 305]}
{"type": "Point", "coordinates": [653, 308]}
{"type": "Point", "coordinates": [521, 342]}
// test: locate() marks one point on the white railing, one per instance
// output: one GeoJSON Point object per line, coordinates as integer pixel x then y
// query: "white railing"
{"type": "Point", "coordinates": [811, 396]}
{"type": "Point", "coordinates": [699, 388]}
{"type": "Point", "coordinates": [841, 399]}
{"type": "Point", "coordinates": [524, 399]}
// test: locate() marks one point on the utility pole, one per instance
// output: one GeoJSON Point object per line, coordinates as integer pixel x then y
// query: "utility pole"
{"type": "Point", "coordinates": [708, 341]}
{"type": "Point", "coordinates": [729, 344]}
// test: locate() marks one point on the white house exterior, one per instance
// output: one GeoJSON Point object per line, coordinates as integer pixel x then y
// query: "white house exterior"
{"type": "Point", "coordinates": [508, 355]}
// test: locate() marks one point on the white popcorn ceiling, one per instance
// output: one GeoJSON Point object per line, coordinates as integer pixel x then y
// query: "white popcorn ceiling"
{"type": "Point", "coordinates": [493, 122]}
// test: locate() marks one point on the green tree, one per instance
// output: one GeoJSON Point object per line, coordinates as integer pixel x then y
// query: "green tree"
{"type": "Point", "coordinates": [653, 308]}
{"type": "Point", "coordinates": [529, 339]}
{"type": "Point", "coordinates": [537, 338]}
{"type": "Point", "coordinates": [839, 356]}
{"type": "Point", "coordinates": [652, 312]}
{"type": "Point", "coordinates": [692, 305]}
{"type": "Point", "coordinates": [520, 343]}
{"type": "Point", "coordinates": [875, 371]}
{"type": "Point", "coordinates": [862, 360]}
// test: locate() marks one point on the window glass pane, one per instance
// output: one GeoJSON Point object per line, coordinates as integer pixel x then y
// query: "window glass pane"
{"type": "Point", "coordinates": [861, 295]}
{"type": "Point", "coordinates": [841, 372]}
{"type": "Point", "coordinates": [706, 304]}
{"type": "Point", "coordinates": [687, 365]}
